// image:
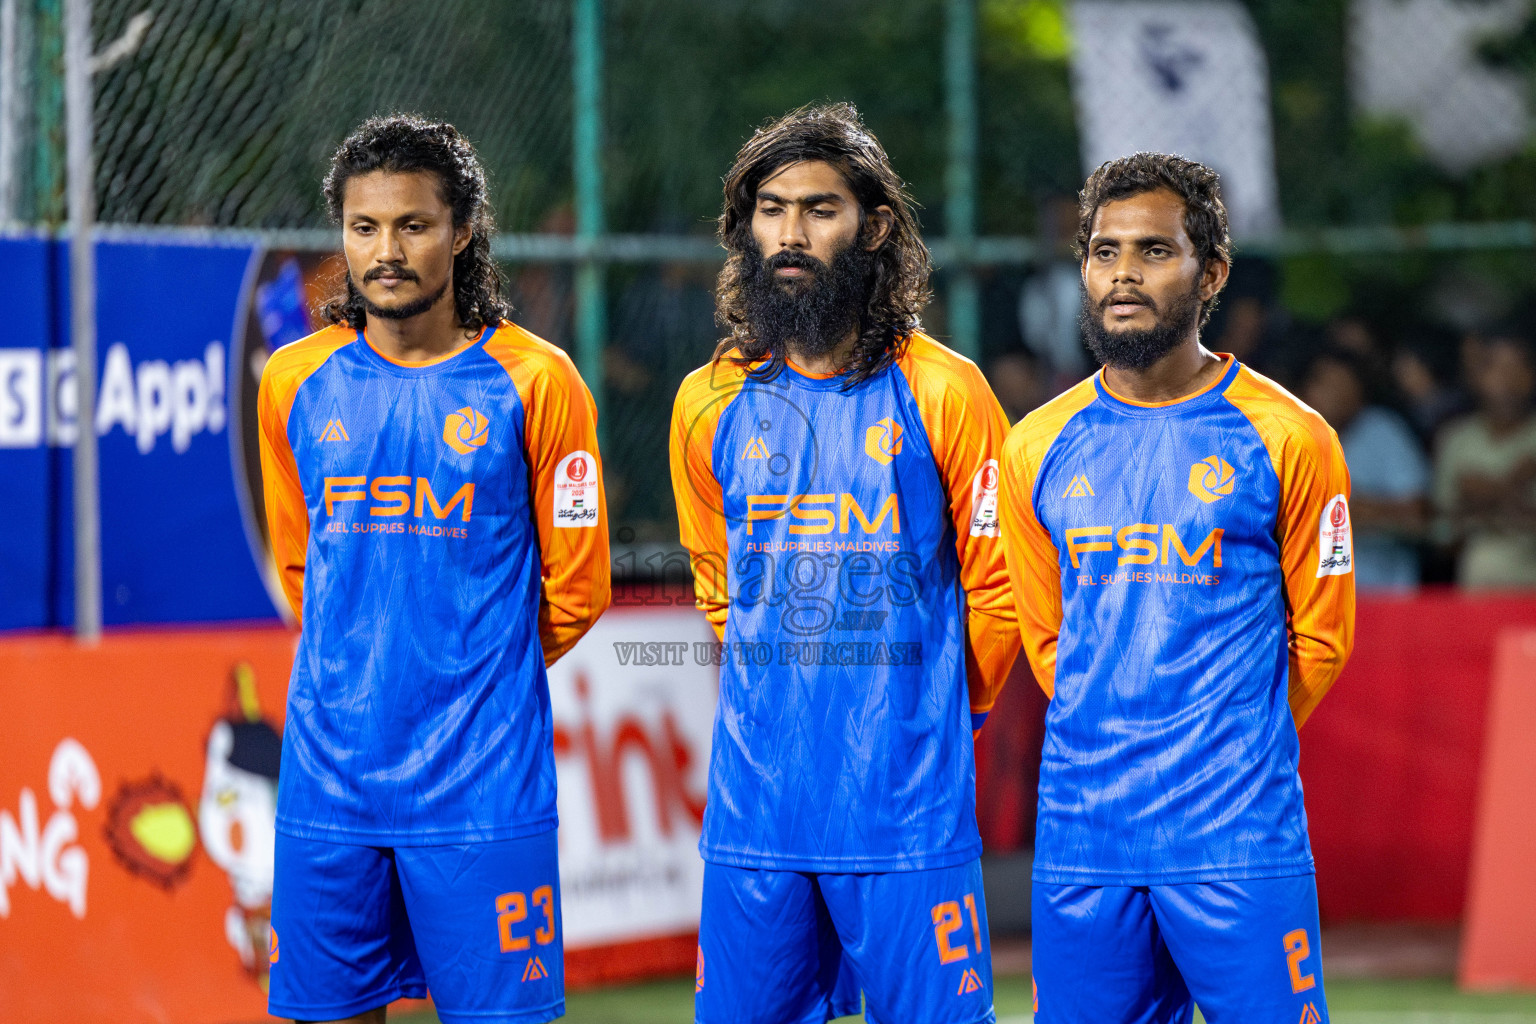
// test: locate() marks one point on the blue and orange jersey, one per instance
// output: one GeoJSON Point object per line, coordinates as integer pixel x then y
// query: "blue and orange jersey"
{"type": "Point", "coordinates": [1185, 588]}
{"type": "Point", "coordinates": [440, 533]}
{"type": "Point", "coordinates": [844, 542]}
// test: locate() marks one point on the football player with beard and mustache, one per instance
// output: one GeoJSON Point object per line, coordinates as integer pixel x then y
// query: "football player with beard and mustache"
{"type": "Point", "coordinates": [836, 481]}
{"type": "Point", "coordinates": [1178, 537]}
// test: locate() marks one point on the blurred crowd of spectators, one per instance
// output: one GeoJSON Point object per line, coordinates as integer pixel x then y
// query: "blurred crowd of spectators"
{"type": "Point", "coordinates": [1439, 428]}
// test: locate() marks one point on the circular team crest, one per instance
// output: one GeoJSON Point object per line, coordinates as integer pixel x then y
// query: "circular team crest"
{"type": "Point", "coordinates": [1211, 479]}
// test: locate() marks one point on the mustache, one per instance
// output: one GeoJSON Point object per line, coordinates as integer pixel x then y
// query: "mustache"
{"type": "Point", "coordinates": [393, 270]}
{"type": "Point", "coordinates": [786, 258]}
{"type": "Point", "coordinates": [1131, 293]}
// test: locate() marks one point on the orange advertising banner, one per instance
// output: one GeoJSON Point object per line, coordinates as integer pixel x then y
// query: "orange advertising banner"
{"type": "Point", "coordinates": [137, 782]}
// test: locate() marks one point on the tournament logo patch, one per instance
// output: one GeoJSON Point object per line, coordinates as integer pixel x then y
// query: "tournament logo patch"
{"type": "Point", "coordinates": [882, 442]}
{"type": "Point", "coordinates": [465, 430]}
{"type": "Point", "coordinates": [984, 500]}
{"type": "Point", "coordinates": [755, 449]}
{"type": "Point", "coordinates": [1335, 544]}
{"type": "Point", "coordinates": [576, 490]}
{"type": "Point", "coordinates": [1211, 479]}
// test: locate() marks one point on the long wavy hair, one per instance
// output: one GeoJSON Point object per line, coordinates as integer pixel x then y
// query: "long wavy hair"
{"type": "Point", "coordinates": [1205, 215]}
{"type": "Point", "coordinates": [832, 133]}
{"type": "Point", "coordinates": [403, 143]}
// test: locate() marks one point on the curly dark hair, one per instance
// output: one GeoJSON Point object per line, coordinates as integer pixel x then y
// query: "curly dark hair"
{"type": "Point", "coordinates": [401, 144]}
{"type": "Point", "coordinates": [899, 290]}
{"type": "Point", "coordinates": [1205, 215]}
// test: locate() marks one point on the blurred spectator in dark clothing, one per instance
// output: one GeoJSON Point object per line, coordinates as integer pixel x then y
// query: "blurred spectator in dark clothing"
{"type": "Point", "coordinates": [1426, 375]}
{"type": "Point", "coordinates": [1485, 469]}
{"type": "Point", "coordinates": [1247, 321]}
{"type": "Point", "coordinates": [1051, 299]}
{"type": "Point", "coordinates": [1021, 383]}
{"type": "Point", "coordinates": [1389, 476]}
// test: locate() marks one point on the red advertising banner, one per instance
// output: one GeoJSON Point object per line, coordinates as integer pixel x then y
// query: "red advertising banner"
{"type": "Point", "coordinates": [138, 789]}
{"type": "Point", "coordinates": [135, 826]}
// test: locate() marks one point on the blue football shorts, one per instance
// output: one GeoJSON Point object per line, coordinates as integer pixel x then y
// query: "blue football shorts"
{"type": "Point", "coordinates": [477, 925]}
{"type": "Point", "coordinates": [793, 947]}
{"type": "Point", "coordinates": [1246, 951]}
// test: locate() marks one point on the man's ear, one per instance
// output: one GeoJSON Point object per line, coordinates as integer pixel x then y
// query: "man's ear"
{"type": "Point", "coordinates": [461, 236]}
{"type": "Point", "coordinates": [877, 227]}
{"type": "Point", "coordinates": [1214, 278]}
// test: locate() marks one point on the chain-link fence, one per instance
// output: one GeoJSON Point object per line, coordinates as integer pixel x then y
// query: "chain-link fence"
{"type": "Point", "coordinates": [221, 114]}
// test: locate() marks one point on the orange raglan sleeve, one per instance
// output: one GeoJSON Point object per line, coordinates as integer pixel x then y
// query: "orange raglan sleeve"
{"type": "Point", "coordinates": [283, 495]}
{"type": "Point", "coordinates": [1317, 558]}
{"type": "Point", "coordinates": [700, 500]}
{"type": "Point", "coordinates": [966, 426]}
{"type": "Point", "coordinates": [565, 476]}
{"type": "Point", "coordinates": [1314, 532]}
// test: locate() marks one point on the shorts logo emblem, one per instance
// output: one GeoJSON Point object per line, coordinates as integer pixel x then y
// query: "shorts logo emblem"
{"type": "Point", "coordinates": [970, 981]}
{"type": "Point", "coordinates": [1211, 479]}
{"type": "Point", "coordinates": [882, 442]}
{"type": "Point", "coordinates": [1309, 1015]}
{"type": "Point", "coordinates": [334, 431]}
{"type": "Point", "coordinates": [1079, 487]}
{"type": "Point", "coordinates": [535, 970]}
{"type": "Point", "coordinates": [271, 944]}
{"type": "Point", "coordinates": [698, 972]}
{"type": "Point", "coordinates": [465, 430]}
{"type": "Point", "coordinates": [755, 449]}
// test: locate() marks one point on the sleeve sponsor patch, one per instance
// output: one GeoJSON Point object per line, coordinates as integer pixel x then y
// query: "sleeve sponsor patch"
{"type": "Point", "coordinates": [984, 500]}
{"type": "Point", "coordinates": [1335, 544]}
{"type": "Point", "coordinates": [575, 490]}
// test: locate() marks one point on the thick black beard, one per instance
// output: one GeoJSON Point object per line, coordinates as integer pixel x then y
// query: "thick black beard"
{"type": "Point", "coordinates": [405, 312]}
{"type": "Point", "coordinates": [815, 315]}
{"type": "Point", "coordinates": [1137, 349]}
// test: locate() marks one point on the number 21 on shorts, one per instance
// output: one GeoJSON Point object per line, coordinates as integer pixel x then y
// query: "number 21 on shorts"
{"type": "Point", "coordinates": [947, 920]}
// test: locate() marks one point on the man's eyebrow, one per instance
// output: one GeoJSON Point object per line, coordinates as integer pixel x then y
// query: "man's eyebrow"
{"type": "Point", "coordinates": [1144, 240]}
{"type": "Point", "coordinates": [814, 199]}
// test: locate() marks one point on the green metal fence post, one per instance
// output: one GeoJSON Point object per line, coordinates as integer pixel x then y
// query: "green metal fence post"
{"type": "Point", "coordinates": [591, 291]}
{"type": "Point", "coordinates": [960, 176]}
{"type": "Point", "coordinates": [48, 97]}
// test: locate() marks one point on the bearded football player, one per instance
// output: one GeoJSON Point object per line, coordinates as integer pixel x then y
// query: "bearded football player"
{"type": "Point", "coordinates": [1178, 536]}
{"type": "Point", "coordinates": [434, 496]}
{"type": "Point", "coordinates": [835, 474]}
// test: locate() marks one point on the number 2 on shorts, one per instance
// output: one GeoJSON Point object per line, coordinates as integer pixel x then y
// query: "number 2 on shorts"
{"type": "Point", "coordinates": [1298, 949]}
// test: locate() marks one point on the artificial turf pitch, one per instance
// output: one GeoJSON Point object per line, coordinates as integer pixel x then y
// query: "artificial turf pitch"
{"type": "Point", "coordinates": [1351, 1001]}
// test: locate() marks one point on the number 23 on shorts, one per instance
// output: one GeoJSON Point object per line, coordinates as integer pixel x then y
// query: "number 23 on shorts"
{"type": "Point", "coordinates": [512, 908]}
{"type": "Point", "coordinates": [946, 921]}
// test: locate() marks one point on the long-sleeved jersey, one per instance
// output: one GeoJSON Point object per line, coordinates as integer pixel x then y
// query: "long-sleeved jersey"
{"type": "Point", "coordinates": [845, 548]}
{"type": "Point", "coordinates": [440, 533]}
{"type": "Point", "coordinates": [1185, 586]}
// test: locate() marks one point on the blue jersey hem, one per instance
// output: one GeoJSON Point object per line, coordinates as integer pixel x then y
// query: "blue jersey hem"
{"type": "Point", "coordinates": [842, 865]}
{"type": "Point", "coordinates": [535, 1016]}
{"type": "Point", "coordinates": [350, 1008]}
{"type": "Point", "coordinates": [418, 837]}
{"type": "Point", "coordinates": [1053, 876]}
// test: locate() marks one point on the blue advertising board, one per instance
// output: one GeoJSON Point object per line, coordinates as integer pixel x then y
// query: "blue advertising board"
{"type": "Point", "coordinates": [180, 539]}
